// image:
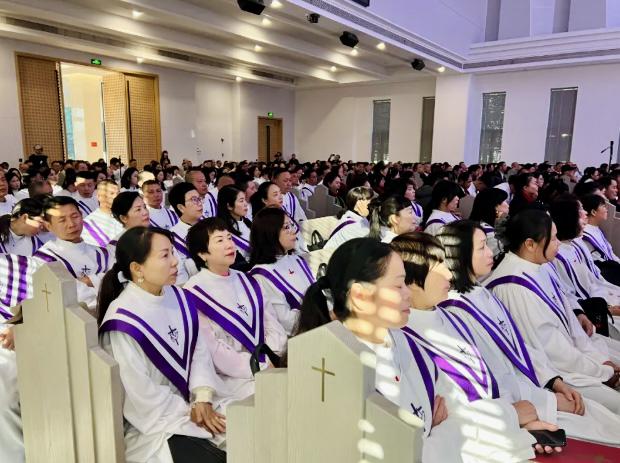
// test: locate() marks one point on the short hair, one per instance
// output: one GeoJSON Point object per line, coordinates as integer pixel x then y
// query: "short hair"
{"type": "Point", "coordinates": [420, 252]}
{"type": "Point", "coordinates": [565, 214]}
{"type": "Point", "coordinates": [277, 172]}
{"type": "Point", "coordinates": [192, 170]}
{"type": "Point", "coordinates": [198, 238]}
{"type": "Point", "coordinates": [149, 183]}
{"type": "Point", "coordinates": [122, 203]}
{"type": "Point", "coordinates": [485, 203]}
{"type": "Point", "coordinates": [532, 224]}
{"type": "Point", "coordinates": [176, 195]}
{"type": "Point", "coordinates": [52, 202]}
{"type": "Point", "coordinates": [457, 239]}
{"type": "Point", "coordinates": [35, 185]}
{"type": "Point", "coordinates": [586, 188]}
{"type": "Point", "coordinates": [106, 182]}
{"type": "Point", "coordinates": [592, 202]}
{"type": "Point", "coordinates": [86, 175]}
{"type": "Point", "coordinates": [567, 168]}
{"type": "Point", "coordinates": [357, 194]}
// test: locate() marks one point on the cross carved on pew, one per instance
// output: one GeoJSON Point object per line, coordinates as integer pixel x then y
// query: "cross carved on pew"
{"type": "Point", "coordinates": [47, 293]}
{"type": "Point", "coordinates": [323, 372]}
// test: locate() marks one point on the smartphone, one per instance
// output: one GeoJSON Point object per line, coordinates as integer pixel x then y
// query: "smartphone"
{"type": "Point", "coordinates": [550, 438]}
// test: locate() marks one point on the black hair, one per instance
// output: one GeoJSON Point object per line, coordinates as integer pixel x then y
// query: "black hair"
{"type": "Point", "coordinates": [457, 239]}
{"type": "Point", "coordinates": [86, 175]}
{"type": "Point", "coordinates": [330, 177]}
{"type": "Point", "coordinates": [29, 206]}
{"type": "Point", "coordinates": [126, 178]}
{"type": "Point", "coordinates": [592, 202]}
{"type": "Point", "coordinates": [485, 203]}
{"type": "Point", "coordinates": [443, 190]}
{"type": "Point", "coordinates": [70, 178]}
{"type": "Point", "coordinates": [382, 210]}
{"type": "Point", "coordinates": [586, 188]}
{"type": "Point", "coordinates": [122, 204]}
{"type": "Point", "coordinates": [529, 223]}
{"type": "Point", "coordinates": [361, 260]}
{"type": "Point", "coordinates": [133, 246]}
{"type": "Point", "coordinates": [354, 195]}
{"type": "Point", "coordinates": [520, 181]}
{"type": "Point", "coordinates": [265, 244]}
{"type": "Point", "coordinates": [564, 212]}
{"type": "Point", "coordinates": [258, 199]}
{"type": "Point", "coordinates": [176, 195]}
{"type": "Point", "coordinates": [52, 202]}
{"type": "Point", "coordinates": [420, 252]}
{"type": "Point", "coordinates": [226, 198]}
{"type": "Point", "coordinates": [149, 183]}
{"type": "Point", "coordinates": [198, 238]}
{"type": "Point", "coordinates": [14, 174]}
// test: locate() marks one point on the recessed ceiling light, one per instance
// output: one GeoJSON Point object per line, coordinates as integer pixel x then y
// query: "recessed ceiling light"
{"type": "Point", "coordinates": [333, 69]}
{"type": "Point", "coordinates": [276, 4]}
{"type": "Point", "coordinates": [139, 60]}
{"type": "Point", "coordinates": [381, 46]}
{"type": "Point", "coordinates": [238, 78]}
{"type": "Point", "coordinates": [441, 69]}
{"type": "Point", "coordinates": [136, 14]}
{"type": "Point", "coordinates": [257, 48]}
{"type": "Point", "coordinates": [354, 52]}
{"type": "Point", "coordinates": [266, 22]}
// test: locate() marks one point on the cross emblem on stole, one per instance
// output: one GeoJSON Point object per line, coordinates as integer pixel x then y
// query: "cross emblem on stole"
{"type": "Point", "coordinates": [323, 372]}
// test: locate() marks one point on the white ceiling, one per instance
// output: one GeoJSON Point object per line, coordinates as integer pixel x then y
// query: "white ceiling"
{"type": "Point", "coordinates": [216, 38]}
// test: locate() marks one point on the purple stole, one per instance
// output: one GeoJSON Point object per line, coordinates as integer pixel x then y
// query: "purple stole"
{"type": "Point", "coordinates": [210, 205]}
{"type": "Point", "coordinates": [241, 243]}
{"type": "Point", "coordinates": [573, 276]}
{"type": "Point", "coordinates": [97, 233]}
{"type": "Point", "coordinates": [249, 335]}
{"type": "Point", "coordinates": [16, 282]}
{"type": "Point", "coordinates": [172, 218]}
{"type": "Point", "coordinates": [530, 284]}
{"type": "Point", "coordinates": [293, 295]}
{"type": "Point", "coordinates": [152, 342]}
{"type": "Point", "coordinates": [508, 340]}
{"type": "Point", "coordinates": [102, 255]}
{"type": "Point", "coordinates": [428, 378]}
{"type": "Point", "coordinates": [456, 368]}
{"type": "Point", "coordinates": [84, 208]}
{"type": "Point", "coordinates": [417, 209]}
{"type": "Point", "coordinates": [180, 245]}
{"type": "Point", "coordinates": [341, 226]}
{"type": "Point", "coordinates": [441, 221]}
{"type": "Point", "coordinates": [36, 244]}
{"type": "Point", "coordinates": [487, 229]}
{"type": "Point", "coordinates": [586, 257]}
{"type": "Point", "coordinates": [292, 204]}
{"type": "Point", "coordinates": [603, 248]}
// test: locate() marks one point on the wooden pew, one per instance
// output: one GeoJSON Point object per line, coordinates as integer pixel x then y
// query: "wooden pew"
{"type": "Point", "coordinates": [310, 214]}
{"type": "Point", "coordinates": [322, 202]}
{"type": "Point", "coordinates": [466, 204]}
{"type": "Point", "coordinates": [323, 408]}
{"type": "Point", "coordinates": [70, 389]}
{"type": "Point", "coordinates": [324, 225]}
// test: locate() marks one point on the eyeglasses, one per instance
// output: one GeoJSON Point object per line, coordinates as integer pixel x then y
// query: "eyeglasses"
{"type": "Point", "coordinates": [195, 199]}
{"type": "Point", "coordinates": [289, 227]}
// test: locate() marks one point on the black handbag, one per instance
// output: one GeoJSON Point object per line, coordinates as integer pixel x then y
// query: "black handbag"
{"type": "Point", "coordinates": [317, 241]}
{"type": "Point", "coordinates": [263, 349]}
{"type": "Point", "coordinates": [597, 311]}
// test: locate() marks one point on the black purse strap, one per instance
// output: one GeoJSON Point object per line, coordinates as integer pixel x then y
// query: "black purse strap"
{"type": "Point", "coordinates": [263, 349]}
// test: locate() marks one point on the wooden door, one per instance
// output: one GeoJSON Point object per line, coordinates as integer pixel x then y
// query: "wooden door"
{"type": "Point", "coordinates": [269, 138]}
{"type": "Point", "coordinates": [143, 110]}
{"type": "Point", "coordinates": [115, 116]}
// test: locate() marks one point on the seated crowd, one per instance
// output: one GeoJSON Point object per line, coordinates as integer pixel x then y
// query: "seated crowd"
{"type": "Point", "coordinates": [506, 314]}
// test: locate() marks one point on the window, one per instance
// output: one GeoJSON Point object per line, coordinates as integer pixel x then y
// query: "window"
{"type": "Point", "coordinates": [492, 127]}
{"type": "Point", "coordinates": [428, 122]}
{"type": "Point", "coordinates": [381, 130]}
{"type": "Point", "coordinates": [561, 123]}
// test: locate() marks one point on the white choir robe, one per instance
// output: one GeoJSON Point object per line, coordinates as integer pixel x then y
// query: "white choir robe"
{"type": "Point", "coordinates": [284, 283]}
{"type": "Point", "coordinates": [154, 369]}
{"type": "Point", "coordinates": [549, 326]}
{"type": "Point", "coordinates": [63, 192]}
{"type": "Point", "coordinates": [11, 438]}
{"type": "Point", "coordinates": [437, 220]}
{"type": "Point", "coordinates": [6, 206]}
{"type": "Point", "coordinates": [86, 205]}
{"type": "Point", "coordinates": [598, 244]}
{"type": "Point", "coordinates": [186, 266]}
{"type": "Point", "coordinates": [418, 213]}
{"type": "Point", "coordinates": [293, 208]}
{"type": "Point", "coordinates": [243, 242]}
{"type": "Point", "coordinates": [209, 205]}
{"type": "Point", "coordinates": [350, 226]}
{"type": "Point", "coordinates": [387, 235]}
{"type": "Point", "coordinates": [306, 190]}
{"type": "Point", "coordinates": [81, 260]}
{"type": "Point", "coordinates": [20, 245]}
{"type": "Point", "coordinates": [162, 217]}
{"type": "Point", "coordinates": [100, 228]}
{"type": "Point", "coordinates": [235, 303]}
{"type": "Point", "coordinates": [485, 430]}
{"type": "Point", "coordinates": [503, 349]}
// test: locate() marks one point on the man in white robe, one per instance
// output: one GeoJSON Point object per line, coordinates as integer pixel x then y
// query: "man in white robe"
{"type": "Point", "coordinates": [159, 216]}
{"type": "Point", "coordinates": [85, 192]}
{"type": "Point", "coordinates": [100, 227]}
{"type": "Point", "coordinates": [187, 204]}
{"type": "Point", "coordinates": [290, 204]}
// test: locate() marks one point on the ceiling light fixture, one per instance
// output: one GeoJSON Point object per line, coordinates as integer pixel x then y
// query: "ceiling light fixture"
{"type": "Point", "coordinates": [136, 14]}
{"type": "Point", "coordinates": [266, 22]}
{"type": "Point", "coordinates": [257, 48]}
{"type": "Point", "coordinates": [441, 69]}
{"type": "Point", "coordinates": [276, 4]}
{"type": "Point", "coordinates": [354, 52]}
{"type": "Point", "coordinates": [139, 60]}
{"type": "Point", "coordinates": [349, 39]}
{"type": "Point", "coordinates": [238, 78]}
{"type": "Point", "coordinates": [381, 46]}
{"type": "Point", "coordinates": [333, 69]}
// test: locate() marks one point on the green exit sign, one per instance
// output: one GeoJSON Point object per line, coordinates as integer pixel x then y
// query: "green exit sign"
{"type": "Point", "coordinates": [270, 115]}
{"type": "Point", "coordinates": [95, 61]}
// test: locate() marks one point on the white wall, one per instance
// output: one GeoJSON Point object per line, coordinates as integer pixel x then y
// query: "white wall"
{"type": "Point", "coordinates": [196, 111]}
{"type": "Point", "coordinates": [339, 120]}
{"type": "Point", "coordinates": [597, 116]}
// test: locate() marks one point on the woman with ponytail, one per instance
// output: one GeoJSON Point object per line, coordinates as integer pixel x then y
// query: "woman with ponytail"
{"type": "Point", "coordinates": [443, 205]}
{"type": "Point", "coordinates": [353, 222]}
{"type": "Point", "coordinates": [390, 217]}
{"type": "Point", "coordinates": [19, 230]}
{"type": "Point", "coordinates": [145, 322]}
{"type": "Point", "coordinates": [232, 208]}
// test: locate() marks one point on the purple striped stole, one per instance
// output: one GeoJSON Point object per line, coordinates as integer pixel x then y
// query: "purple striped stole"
{"type": "Point", "coordinates": [180, 245]}
{"type": "Point", "coordinates": [585, 256]}
{"type": "Point", "coordinates": [603, 247]}
{"type": "Point", "coordinates": [84, 208]}
{"type": "Point", "coordinates": [293, 296]}
{"type": "Point", "coordinates": [241, 242]}
{"type": "Point", "coordinates": [341, 226]}
{"type": "Point", "coordinates": [16, 282]}
{"type": "Point", "coordinates": [95, 231]}
{"type": "Point", "coordinates": [153, 343]}
{"type": "Point", "coordinates": [573, 276]}
{"type": "Point", "coordinates": [428, 378]}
